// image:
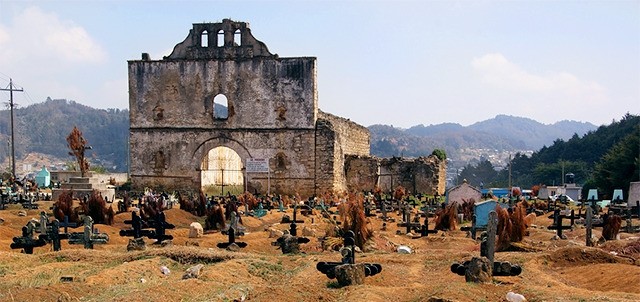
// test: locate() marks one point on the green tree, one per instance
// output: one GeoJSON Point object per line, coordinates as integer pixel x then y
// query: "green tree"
{"type": "Point", "coordinates": [439, 153]}
{"type": "Point", "coordinates": [482, 173]}
{"type": "Point", "coordinates": [619, 166]}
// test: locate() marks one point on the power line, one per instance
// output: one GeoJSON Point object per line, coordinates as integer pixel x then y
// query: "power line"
{"type": "Point", "coordinates": [13, 148]}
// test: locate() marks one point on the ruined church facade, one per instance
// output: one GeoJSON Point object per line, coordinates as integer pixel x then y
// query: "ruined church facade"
{"type": "Point", "coordinates": [272, 113]}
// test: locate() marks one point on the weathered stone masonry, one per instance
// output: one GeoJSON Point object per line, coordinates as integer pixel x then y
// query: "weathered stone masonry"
{"type": "Point", "coordinates": [273, 113]}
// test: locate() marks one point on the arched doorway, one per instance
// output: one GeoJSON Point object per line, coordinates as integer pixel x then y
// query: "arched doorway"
{"type": "Point", "coordinates": [222, 172]}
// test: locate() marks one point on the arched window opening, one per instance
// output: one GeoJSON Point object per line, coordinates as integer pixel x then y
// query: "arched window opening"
{"type": "Point", "coordinates": [221, 38]}
{"type": "Point", "coordinates": [220, 107]}
{"type": "Point", "coordinates": [204, 39]}
{"type": "Point", "coordinates": [237, 38]}
{"type": "Point", "coordinates": [221, 172]}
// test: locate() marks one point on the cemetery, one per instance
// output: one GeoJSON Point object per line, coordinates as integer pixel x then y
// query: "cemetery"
{"type": "Point", "coordinates": [328, 222]}
{"type": "Point", "coordinates": [319, 249]}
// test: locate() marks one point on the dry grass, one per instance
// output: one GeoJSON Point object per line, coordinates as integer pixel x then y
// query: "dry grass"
{"type": "Point", "coordinates": [447, 218]}
{"type": "Point", "coordinates": [611, 228]}
{"type": "Point", "coordinates": [248, 199]}
{"type": "Point", "coordinates": [64, 207]}
{"type": "Point", "coordinates": [399, 193]}
{"type": "Point", "coordinates": [511, 226]}
{"type": "Point", "coordinates": [97, 208]}
{"type": "Point", "coordinates": [215, 218]}
{"type": "Point", "coordinates": [353, 218]}
{"type": "Point", "coordinates": [467, 208]}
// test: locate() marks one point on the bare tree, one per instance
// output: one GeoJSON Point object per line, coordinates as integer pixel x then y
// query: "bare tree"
{"type": "Point", "coordinates": [78, 146]}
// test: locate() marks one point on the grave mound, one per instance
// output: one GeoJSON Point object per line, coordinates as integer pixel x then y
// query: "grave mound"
{"type": "Point", "coordinates": [579, 256]}
{"type": "Point", "coordinates": [179, 217]}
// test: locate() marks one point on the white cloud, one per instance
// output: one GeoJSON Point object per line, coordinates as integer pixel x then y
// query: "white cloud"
{"type": "Point", "coordinates": [45, 35]}
{"type": "Point", "coordinates": [553, 96]}
{"type": "Point", "coordinates": [497, 71]}
{"type": "Point", "coordinates": [50, 56]}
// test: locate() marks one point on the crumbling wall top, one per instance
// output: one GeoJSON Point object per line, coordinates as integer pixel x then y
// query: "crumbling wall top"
{"type": "Point", "coordinates": [228, 40]}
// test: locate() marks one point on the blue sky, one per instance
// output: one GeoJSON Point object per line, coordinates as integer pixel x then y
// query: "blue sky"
{"type": "Point", "coordinates": [400, 63]}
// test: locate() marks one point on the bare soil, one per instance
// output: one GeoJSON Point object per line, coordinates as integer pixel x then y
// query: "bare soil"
{"type": "Point", "coordinates": [553, 270]}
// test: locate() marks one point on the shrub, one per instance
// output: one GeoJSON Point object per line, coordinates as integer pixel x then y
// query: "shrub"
{"type": "Point", "coordinates": [353, 219]}
{"type": "Point", "coordinates": [446, 219]}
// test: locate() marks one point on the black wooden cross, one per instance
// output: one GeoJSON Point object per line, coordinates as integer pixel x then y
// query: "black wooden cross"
{"type": "Point", "coordinates": [424, 229]}
{"type": "Point", "coordinates": [141, 228]}
{"type": "Point", "coordinates": [557, 223]}
{"type": "Point", "coordinates": [232, 235]}
{"type": "Point", "coordinates": [348, 257]}
{"type": "Point", "coordinates": [88, 237]}
{"type": "Point", "coordinates": [66, 224]}
{"type": "Point", "coordinates": [407, 220]}
{"type": "Point", "coordinates": [487, 249]}
{"type": "Point", "coordinates": [26, 241]}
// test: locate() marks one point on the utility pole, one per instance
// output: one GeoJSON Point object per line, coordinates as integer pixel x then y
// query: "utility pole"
{"type": "Point", "coordinates": [13, 145]}
{"type": "Point", "coordinates": [509, 174]}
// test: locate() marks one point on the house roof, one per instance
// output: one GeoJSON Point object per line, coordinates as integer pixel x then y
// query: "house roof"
{"type": "Point", "coordinates": [460, 186]}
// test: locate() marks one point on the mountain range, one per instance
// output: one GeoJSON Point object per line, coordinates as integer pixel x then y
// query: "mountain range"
{"type": "Point", "coordinates": [502, 133]}
{"type": "Point", "coordinates": [43, 128]}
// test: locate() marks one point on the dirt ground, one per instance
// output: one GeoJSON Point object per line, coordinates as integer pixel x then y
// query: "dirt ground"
{"type": "Point", "coordinates": [553, 270]}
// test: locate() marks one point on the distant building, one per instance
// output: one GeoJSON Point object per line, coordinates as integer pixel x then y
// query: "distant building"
{"type": "Point", "coordinates": [463, 192]}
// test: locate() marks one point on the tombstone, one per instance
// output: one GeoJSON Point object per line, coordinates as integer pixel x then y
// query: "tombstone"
{"type": "Point", "coordinates": [347, 271]}
{"type": "Point", "coordinates": [4, 201]}
{"type": "Point", "coordinates": [88, 237]}
{"type": "Point", "coordinates": [260, 211]}
{"type": "Point", "coordinates": [232, 240]}
{"type": "Point", "coordinates": [589, 226]}
{"type": "Point", "coordinates": [43, 223]}
{"type": "Point", "coordinates": [617, 197]}
{"type": "Point", "coordinates": [290, 243]}
{"type": "Point", "coordinates": [473, 269]}
{"type": "Point", "coordinates": [233, 223]}
{"type": "Point", "coordinates": [29, 204]}
{"type": "Point", "coordinates": [26, 241]}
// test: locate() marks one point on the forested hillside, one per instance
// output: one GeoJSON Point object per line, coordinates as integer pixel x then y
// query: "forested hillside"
{"type": "Point", "coordinates": [606, 158]}
{"type": "Point", "coordinates": [43, 128]}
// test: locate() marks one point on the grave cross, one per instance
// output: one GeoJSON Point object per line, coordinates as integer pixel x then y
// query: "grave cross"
{"type": "Point", "coordinates": [348, 258]}
{"type": "Point", "coordinates": [487, 249]}
{"type": "Point", "coordinates": [88, 237]}
{"type": "Point", "coordinates": [260, 211]}
{"type": "Point", "coordinates": [557, 223]}
{"type": "Point", "coordinates": [295, 210]}
{"type": "Point", "coordinates": [26, 242]}
{"type": "Point", "coordinates": [66, 224]}
{"type": "Point", "coordinates": [589, 226]}
{"type": "Point", "coordinates": [407, 220]}
{"type": "Point", "coordinates": [383, 209]}
{"type": "Point", "coordinates": [232, 234]}
{"type": "Point", "coordinates": [424, 230]}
